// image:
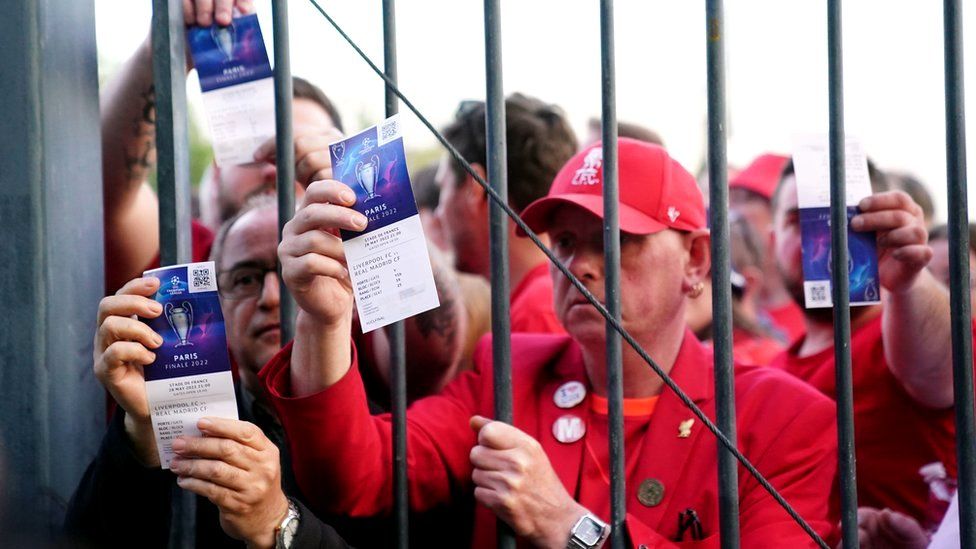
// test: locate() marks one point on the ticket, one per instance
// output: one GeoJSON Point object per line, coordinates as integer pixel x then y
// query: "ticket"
{"type": "Point", "coordinates": [238, 87]}
{"type": "Point", "coordinates": [388, 262]}
{"type": "Point", "coordinates": [811, 161]}
{"type": "Point", "coordinates": [191, 376]}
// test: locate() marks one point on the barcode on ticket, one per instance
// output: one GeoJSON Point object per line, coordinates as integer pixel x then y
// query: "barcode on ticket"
{"type": "Point", "coordinates": [817, 293]}
{"type": "Point", "coordinates": [202, 278]}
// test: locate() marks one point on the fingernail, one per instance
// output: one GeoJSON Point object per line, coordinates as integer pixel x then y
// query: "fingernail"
{"type": "Point", "coordinates": [157, 340]}
{"type": "Point", "coordinates": [347, 196]}
{"type": "Point", "coordinates": [856, 222]}
{"type": "Point", "coordinates": [156, 307]}
{"type": "Point", "coordinates": [204, 424]}
{"type": "Point", "coordinates": [179, 445]}
{"type": "Point", "coordinates": [359, 221]}
{"type": "Point", "coordinates": [179, 480]}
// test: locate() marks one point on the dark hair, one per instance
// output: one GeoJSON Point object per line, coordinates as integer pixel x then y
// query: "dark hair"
{"type": "Point", "coordinates": [539, 142]}
{"type": "Point", "coordinates": [915, 189]}
{"type": "Point", "coordinates": [303, 89]}
{"type": "Point", "coordinates": [631, 130]}
{"type": "Point", "coordinates": [425, 189]}
{"type": "Point", "coordinates": [879, 180]}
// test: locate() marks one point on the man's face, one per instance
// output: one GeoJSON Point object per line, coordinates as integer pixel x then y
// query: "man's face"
{"type": "Point", "coordinates": [753, 208]}
{"type": "Point", "coordinates": [787, 244]}
{"type": "Point", "coordinates": [235, 184]}
{"type": "Point", "coordinates": [460, 222]}
{"type": "Point", "coordinates": [249, 291]}
{"type": "Point", "coordinates": [651, 276]}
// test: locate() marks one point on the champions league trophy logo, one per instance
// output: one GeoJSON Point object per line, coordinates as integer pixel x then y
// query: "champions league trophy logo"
{"type": "Point", "coordinates": [338, 151]}
{"type": "Point", "coordinates": [224, 38]}
{"type": "Point", "coordinates": [181, 320]}
{"type": "Point", "coordinates": [367, 174]}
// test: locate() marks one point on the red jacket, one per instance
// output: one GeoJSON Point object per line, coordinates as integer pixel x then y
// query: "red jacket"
{"type": "Point", "coordinates": [342, 455]}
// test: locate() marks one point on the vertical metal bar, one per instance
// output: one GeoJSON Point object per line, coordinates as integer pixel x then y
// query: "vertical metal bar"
{"type": "Point", "coordinates": [839, 282]}
{"type": "Point", "coordinates": [728, 481]}
{"type": "Point", "coordinates": [498, 229]}
{"type": "Point", "coordinates": [611, 250]}
{"type": "Point", "coordinates": [398, 358]}
{"type": "Point", "coordinates": [172, 137]}
{"type": "Point", "coordinates": [285, 151]}
{"type": "Point", "coordinates": [173, 151]}
{"type": "Point", "coordinates": [962, 348]}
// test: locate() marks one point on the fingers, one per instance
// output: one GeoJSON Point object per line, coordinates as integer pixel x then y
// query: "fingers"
{"type": "Point", "coordinates": [312, 158]}
{"type": "Point", "coordinates": [223, 12]}
{"type": "Point", "coordinates": [124, 329]}
{"type": "Point", "coordinates": [243, 432]}
{"type": "Point", "coordinates": [904, 236]}
{"type": "Point", "coordinates": [220, 496]}
{"type": "Point", "coordinates": [914, 257]}
{"type": "Point", "coordinates": [329, 191]}
{"type": "Point", "coordinates": [883, 220]}
{"type": "Point", "coordinates": [189, 13]}
{"type": "Point", "coordinates": [213, 471]}
{"type": "Point", "coordinates": [318, 216]}
{"type": "Point", "coordinates": [221, 449]}
{"type": "Point", "coordinates": [492, 460]}
{"type": "Point", "coordinates": [121, 354]}
{"type": "Point", "coordinates": [497, 435]}
{"type": "Point", "coordinates": [204, 12]}
{"type": "Point", "coordinates": [892, 200]}
{"type": "Point", "coordinates": [477, 422]}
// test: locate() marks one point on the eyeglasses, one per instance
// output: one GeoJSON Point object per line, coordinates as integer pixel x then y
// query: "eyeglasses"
{"type": "Point", "coordinates": [244, 282]}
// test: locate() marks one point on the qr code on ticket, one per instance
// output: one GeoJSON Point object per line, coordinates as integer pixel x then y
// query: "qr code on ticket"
{"type": "Point", "coordinates": [389, 130]}
{"type": "Point", "coordinates": [202, 278]}
{"type": "Point", "coordinates": [818, 293]}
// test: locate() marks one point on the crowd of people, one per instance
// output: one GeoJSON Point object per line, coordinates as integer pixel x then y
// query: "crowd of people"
{"type": "Point", "coordinates": [309, 462]}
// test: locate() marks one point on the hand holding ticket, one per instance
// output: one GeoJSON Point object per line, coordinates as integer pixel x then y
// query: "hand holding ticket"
{"type": "Point", "coordinates": [190, 375]}
{"type": "Point", "coordinates": [381, 256]}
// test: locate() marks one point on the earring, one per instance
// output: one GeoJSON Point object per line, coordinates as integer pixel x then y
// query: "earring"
{"type": "Point", "coordinates": [697, 290]}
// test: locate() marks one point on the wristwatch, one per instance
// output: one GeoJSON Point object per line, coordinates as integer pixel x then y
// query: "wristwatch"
{"type": "Point", "coordinates": [589, 532]}
{"type": "Point", "coordinates": [285, 532]}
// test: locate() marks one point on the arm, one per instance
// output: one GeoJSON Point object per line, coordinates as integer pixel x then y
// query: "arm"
{"type": "Point", "coordinates": [342, 454]}
{"type": "Point", "coordinates": [128, 130]}
{"type": "Point", "coordinates": [119, 499]}
{"type": "Point", "coordinates": [128, 155]}
{"type": "Point", "coordinates": [915, 319]}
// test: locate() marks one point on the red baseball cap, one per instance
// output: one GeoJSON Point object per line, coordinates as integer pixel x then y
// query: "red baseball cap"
{"type": "Point", "coordinates": [656, 193]}
{"type": "Point", "coordinates": [762, 176]}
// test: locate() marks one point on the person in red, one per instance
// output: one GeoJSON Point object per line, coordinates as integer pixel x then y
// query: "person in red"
{"type": "Point", "coordinates": [540, 141]}
{"type": "Point", "coordinates": [546, 474]}
{"type": "Point", "coordinates": [900, 352]}
{"type": "Point", "coordinates": [750, 192]}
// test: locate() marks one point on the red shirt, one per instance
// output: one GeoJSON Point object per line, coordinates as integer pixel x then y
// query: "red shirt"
{"type": "Point", "coordinates": [893, 434]}
{"type": "Point", "coordinates": [789, 320]}
{"type": "Point", "coordinates": [342, 455]}
{"type": "Point", "coordinates": [531, 307]}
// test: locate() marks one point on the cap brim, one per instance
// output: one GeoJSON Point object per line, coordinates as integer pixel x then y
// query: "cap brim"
{"type": "Point", "coordinates": [537, 215]}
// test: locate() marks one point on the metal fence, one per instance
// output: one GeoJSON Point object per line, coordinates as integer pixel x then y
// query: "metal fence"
{"type": "Point", "coordinates": [174, 193]}
{"type": "Point", "coordinates": [174, 226]}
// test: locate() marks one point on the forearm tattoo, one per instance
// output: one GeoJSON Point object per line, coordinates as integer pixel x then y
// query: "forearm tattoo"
{"type": "Point", "coordinates": [138, 161]}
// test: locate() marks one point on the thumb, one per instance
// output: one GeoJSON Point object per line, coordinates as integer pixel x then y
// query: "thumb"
{"type": "Point", "coordinates": [477, 422]}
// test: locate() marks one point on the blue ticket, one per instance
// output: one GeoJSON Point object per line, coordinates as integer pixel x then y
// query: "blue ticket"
{"type": "Point", "coordinates": [238, 87]}
{"type": "Point", "coordinates": [811, 162]}
{"type": "Point", "coordinates": [191, 376]}
{"type": "Point", "coordinates": [388, 262]}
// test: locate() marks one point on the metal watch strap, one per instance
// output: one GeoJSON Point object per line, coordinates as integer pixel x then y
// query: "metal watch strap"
{"type": "Point", "coordinates": [293, 515]}
{"type": "Point", "coordinates": [576, 543]}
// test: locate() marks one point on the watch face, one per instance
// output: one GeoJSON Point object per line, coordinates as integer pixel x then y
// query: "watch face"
{"type": "Point", "coordinates": [589, 531]}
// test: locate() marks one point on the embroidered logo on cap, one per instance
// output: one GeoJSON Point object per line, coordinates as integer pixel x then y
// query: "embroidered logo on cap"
{"type": "Point", "coordinates": [587, 174]}
{"type": "Point", "coordinates": [673, 213]}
